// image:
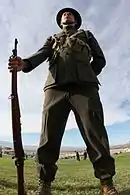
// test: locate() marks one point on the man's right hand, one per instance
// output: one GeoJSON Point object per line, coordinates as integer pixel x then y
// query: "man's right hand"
{"type": "Point", "coordinates": [17, 63]}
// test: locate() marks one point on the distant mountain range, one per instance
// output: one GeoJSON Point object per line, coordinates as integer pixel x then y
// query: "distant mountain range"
{"type": "Point", "coordinates": [127, 145]}
{"type": "Point", "coordinates": [6, 144]}
{"type": "Point", "coordinates": [34, 147]}
{"type": "Point", "coordinates": [63, 149]}
{"type": "Point", "coordinates": [72, 141]}
{"type": "Point", "coordinates": [10, 145]}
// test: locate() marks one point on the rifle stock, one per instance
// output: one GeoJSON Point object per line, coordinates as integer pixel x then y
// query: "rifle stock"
{"type": "Point", "coordinates": [16, 128]}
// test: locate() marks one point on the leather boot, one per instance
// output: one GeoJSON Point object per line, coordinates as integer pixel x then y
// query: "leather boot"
{"type": "Point", "coordinates": [44, 188]}
{"type": "Point", "coordinates": [107, 187]}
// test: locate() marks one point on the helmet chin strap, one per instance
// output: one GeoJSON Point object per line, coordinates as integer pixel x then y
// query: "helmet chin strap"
{"type": "Point", "coordinates": [67, 24]}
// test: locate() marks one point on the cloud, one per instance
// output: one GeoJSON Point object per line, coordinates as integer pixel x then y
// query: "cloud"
{"type": "Point", "coordinates": [32, 22]}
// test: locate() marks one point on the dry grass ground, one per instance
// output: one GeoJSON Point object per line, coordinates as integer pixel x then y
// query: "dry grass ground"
{"type": "Point", "coordinates": [73, 178]}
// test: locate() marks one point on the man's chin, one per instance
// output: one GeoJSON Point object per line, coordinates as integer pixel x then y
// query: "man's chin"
{"type": "Point", "coordinates": [67, 22]}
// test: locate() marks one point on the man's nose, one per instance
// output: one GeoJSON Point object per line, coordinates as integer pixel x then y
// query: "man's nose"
{"type": "Point", "coordinates": [67, 14]}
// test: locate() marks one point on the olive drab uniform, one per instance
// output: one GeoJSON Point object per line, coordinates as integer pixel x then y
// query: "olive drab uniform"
{"type": "Point", "coordinates": [74, 50]}
{"type": "Point", "coordinates": [75, 59]}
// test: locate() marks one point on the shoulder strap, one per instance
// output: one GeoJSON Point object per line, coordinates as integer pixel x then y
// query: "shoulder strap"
{"type": "Point", "coordinates": [85, 33]}
{"type": "Point", "coordinates": [58, 35]}
{"type": "Point", "coordinates": [81, 31]}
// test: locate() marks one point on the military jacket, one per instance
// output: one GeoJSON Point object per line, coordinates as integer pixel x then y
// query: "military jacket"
{"type": "Point", "coordinates": [64, 70]}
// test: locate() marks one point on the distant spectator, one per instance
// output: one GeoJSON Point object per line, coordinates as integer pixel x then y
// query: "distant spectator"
{"type": "Point", "coordinates": [0, 152]}
{"type": "Point", "coordinates": [85, 154]}
{"type": "Point", "coordinates": [77, 156]}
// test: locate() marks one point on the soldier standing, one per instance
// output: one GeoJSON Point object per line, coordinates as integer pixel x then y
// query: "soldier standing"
{"type": "Point", "coordinates": [77, 156]}
{"type": "Point", "coordinates": [85, 154]}
{"type": "Point", "coordinates": [0, 151]}
{"type": "Point", "coordinates": [75, 59]}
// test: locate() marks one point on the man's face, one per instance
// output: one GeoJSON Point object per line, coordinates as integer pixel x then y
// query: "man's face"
{"type": "Point", "coordinates": [67, 18]}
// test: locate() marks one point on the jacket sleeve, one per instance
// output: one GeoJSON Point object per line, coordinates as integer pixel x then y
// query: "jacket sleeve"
{"type": "Point", "coordinates": [99, 60]}
{"type": "Point", "coordinates": [40, 56]}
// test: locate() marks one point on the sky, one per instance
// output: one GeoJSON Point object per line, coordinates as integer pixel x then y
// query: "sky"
{"type": "Point", "coordinates": [31, 22]}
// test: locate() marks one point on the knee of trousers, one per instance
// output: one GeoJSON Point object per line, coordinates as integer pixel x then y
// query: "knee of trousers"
{"type": "Point", "coordinates": [47, 155]}
{"type": "Point", "coordinates": [47, 172]}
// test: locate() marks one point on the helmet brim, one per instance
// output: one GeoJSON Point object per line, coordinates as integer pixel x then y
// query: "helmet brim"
{"type": "Point", "coordinates": [74, 12]}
